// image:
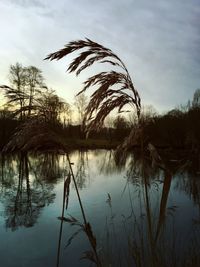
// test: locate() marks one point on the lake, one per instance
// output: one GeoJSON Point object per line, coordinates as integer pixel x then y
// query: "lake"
{"type": "Point", "coordinates": [140, 214]}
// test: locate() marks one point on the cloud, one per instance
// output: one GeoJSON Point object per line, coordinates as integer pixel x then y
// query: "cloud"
{"type": "Point", "coordinates": [27, 3]}
{"type": "Point", "coordinates": [158, 41]}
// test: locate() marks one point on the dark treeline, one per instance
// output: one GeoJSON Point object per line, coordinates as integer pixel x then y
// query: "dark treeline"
{"type": "Point", "coordinates": [32, 113]}
{"type": "Point", "coordinates": [7, 127]}
{"type": "Point", "coordinates": [176, 129]}
{"type": "Point", "coordinates": [179, 128]}
{"type": "Point", "coordinates": [71, 135]}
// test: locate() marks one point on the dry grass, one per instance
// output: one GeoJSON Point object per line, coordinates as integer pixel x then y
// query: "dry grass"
{"type": "Point", "coordinates": [34, 135]}
{"type": "Point", "coordinates": [115, 89]}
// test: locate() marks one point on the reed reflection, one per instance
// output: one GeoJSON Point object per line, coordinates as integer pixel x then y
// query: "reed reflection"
{"type": "Point", "coordinates": [154, 239]}
{"type": "Point", "coordinates": [147, 231]}
{"type": "Point", "coordinates": [189, 181]}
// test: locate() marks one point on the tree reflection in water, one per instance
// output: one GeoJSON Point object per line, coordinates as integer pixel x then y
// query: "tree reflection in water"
{"type": "Point", "coordinates": [23, 192]}
{"type": "Point", "coordinates": [151, 230]}
{"type": "Point", "coordinates": [82, 169]}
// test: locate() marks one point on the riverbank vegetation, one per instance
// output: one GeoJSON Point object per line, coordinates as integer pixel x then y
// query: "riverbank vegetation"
{"type": "Point", "coordinates": [28, 101]}
{"type": "Point", "coordinates": [34, 119]}
{"type": "Point", "coordinates": [176, 130]}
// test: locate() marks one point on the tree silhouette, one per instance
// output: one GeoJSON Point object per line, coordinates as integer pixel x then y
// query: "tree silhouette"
{"type": "Point", "coordinates": [196, 99]}
{"type": "Point", "coordinates": [17, 77]}
{"type": "Point", "coordinates": [26, 84]}
{"type": "Point", "coordinates": [35, 82]}
{"type": "Point", "coordinates": [50, 107]}
{"type": "Point", "coordinates": [81, 103]}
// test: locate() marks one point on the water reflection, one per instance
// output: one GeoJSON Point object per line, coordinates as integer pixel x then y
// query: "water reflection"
{"type": "Point", "coordinates": [48, 167]}
{"type": "Point", "coordinates": [159, 247]}
{"type": "Point", "coordinates": [82, 169]}
{"type": "Point", "coordinates": [152, 213]}
{"type": "Point", "coordinates": [23, 193]}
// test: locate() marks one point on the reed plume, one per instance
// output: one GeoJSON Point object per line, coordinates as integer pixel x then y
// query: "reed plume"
{"type": "Point", "coordinates": [115, 89]}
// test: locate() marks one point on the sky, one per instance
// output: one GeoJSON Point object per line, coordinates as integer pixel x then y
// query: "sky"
{"type": "Point", "coordinates": [159, 42]}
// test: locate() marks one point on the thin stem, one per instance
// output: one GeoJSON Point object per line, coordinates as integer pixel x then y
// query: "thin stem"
{"type": "Point", "coordinates": [61, 227]}
{"type": "Point", "coordinates": [87, 226]}
{"type": "Point", "coordinates": [77, 192]}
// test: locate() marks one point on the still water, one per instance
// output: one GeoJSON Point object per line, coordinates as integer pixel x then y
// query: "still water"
{"type": "Point", "coordinates": [141, 215]}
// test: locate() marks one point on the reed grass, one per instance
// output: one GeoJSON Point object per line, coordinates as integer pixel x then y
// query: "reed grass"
{"type": "Point", "coordinates": [91, 255]}
{"type": "Point", "coordinates": [115, 89]}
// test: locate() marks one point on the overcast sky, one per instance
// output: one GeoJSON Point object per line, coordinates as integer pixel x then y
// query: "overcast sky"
{"type": "Point", "coordinates": [159, 41]}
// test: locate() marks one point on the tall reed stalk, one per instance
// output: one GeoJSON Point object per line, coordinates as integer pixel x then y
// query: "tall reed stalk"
{"type": "Point", "coordinates": [65, 186]}
{"type": "Point", "coordinates": [85, 226]}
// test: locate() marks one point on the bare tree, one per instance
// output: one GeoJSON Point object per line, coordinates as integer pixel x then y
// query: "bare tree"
{"type": "Point", "coordinates": [67, 114]}
{"type": "Point", "coordinates": [81, 102]}
{"type": "Point", "coordinates": [148, 113]}
{"type": "Point", "coordinates": [196, 99]}
{"type": "Point", "coordinates": [17, 77]}
{"type": "Point", "coordinates": [120, 122]}
{"type": "Point", "coordinates": [51, 107]}
{"type": "Point", "coordinates": [26, 84]}
{"type": "Point", "coordinates": [34, 83]}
